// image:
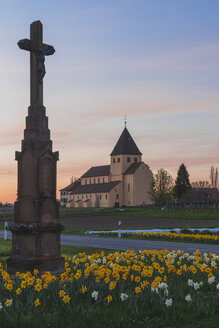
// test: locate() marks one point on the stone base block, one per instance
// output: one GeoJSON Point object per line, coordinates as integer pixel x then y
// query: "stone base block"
{"type": "Point", "coordinates": [55, 265]}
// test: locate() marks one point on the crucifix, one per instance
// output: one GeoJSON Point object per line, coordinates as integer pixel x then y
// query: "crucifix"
{"type": "Point", "coordinates": [38, 51]}
{"type": "Point", "coordinates": [36, 228]}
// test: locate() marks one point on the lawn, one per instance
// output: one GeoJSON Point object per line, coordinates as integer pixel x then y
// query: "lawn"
{"type": "Point", "coordinates": [183, 213]}
{"type": "Point", "coordinates": [151, 289]}
{"type": "Point", "coordinates": [180, 213]}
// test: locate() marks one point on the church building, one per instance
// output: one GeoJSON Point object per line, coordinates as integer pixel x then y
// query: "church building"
{"type": "Point", "coordinates": [125, 182]}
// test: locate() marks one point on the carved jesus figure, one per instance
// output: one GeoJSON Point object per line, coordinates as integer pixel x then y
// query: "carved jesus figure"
{"type": "Point", "coordinates": [40, 54]}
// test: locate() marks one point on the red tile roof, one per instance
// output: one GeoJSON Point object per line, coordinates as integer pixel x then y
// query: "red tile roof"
{"type": "Point", "coordinates": [97, 171]}
{"type": "Point", "coordinates": [213, 193]}
{"type": "Point", "coordinates": [72, 186]}
{"type": "Point", "coordinates": [132, 168]}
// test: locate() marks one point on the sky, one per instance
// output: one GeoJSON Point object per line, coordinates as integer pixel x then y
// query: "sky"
{"type": "Point", "coordinates": [155, 61]}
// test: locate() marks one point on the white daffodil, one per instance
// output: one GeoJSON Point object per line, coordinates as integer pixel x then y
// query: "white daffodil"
{"type": "Point", "coordinates": [1, 306]}
{"type": "Point", "coordinates": [196, 285]}
{"type": "Point", "coordinates": [211, 280]}
{"type": "Point", "coordinates": [154, 290]}
{"type": "Point", "coordinates": [8, 302]}
{"type": "Point", "coordinates": [217, 286]}
{"type": "Point", "coordinates": [94, 295]}
{"type": "Point", "coordinates": [169, 302]}
{"type": "Point", "coordinates": [123, 297]}
{"type": "Point", "coordinates": [188, 298]}
{"type": "Point", "coordinates": [162, 285]}
{"type": "Point", "coordinates": [104, 260]}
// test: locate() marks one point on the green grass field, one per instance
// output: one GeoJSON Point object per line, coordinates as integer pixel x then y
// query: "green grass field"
{"type": "Point", "coordinates": [182, 213]}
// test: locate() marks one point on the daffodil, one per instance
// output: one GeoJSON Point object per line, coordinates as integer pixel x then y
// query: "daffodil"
{"type": "Point", "coordinates": [19, 291]}
{"type": "Point", "coordinates": [188, 298]}
{"type": "Point", "coordinates": [8, 302]}
{"type": "Point", "coordinates": [66, 299]}
{"type": "Point", "coordinates": [109, 298]}
{"type": "Point", "coordinates": [94, 295]}
{"type": "Point", "coordinates": [123, 297]}
{"type": "Point", "coordinates": [169, 302]}
{"type": "Point", "coordinates": [37, 302]}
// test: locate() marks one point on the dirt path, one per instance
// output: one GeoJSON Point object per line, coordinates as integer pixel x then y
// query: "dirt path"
{"type": "Point", "coordinates": [130, 222]}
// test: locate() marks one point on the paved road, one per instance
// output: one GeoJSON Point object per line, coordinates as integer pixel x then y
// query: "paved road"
{"type": "Point", "coordinates": [124, 244]}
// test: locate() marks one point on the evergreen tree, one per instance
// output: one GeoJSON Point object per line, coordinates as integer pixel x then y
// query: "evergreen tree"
{"type": "Point", "coordinates": [161, 189]}
{"type": "Point", "coordinates": [182, 184]}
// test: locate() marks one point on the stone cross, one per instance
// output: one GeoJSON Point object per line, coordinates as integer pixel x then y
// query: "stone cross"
{"type": "Point", "coordinates": [36, 228]}
{"type": "Point", "coordinates": [38, 51]}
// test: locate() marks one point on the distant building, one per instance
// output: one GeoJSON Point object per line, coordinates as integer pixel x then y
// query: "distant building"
{"type": "Point", "coordinates": [64, 193]}
{"type": "Point", "coordinates": [212, 193]}
{"type": "Point", "coordinates": [125, 182]}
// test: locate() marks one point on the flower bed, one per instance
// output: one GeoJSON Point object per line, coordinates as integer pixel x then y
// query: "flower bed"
{"type": "Point", "coordinates": [167, 236]}
{"type": "Point", "coordinates": [122, 289]}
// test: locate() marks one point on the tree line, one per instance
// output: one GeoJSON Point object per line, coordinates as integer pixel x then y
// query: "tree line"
{"type": "Point", "coordinates": [163, 189]}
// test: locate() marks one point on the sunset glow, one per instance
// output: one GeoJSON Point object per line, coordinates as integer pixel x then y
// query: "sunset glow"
{"type": "Point", "coordinates": [157, 62]}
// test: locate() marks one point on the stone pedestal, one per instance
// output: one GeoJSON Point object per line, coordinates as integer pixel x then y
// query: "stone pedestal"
{"type": "Point", "coordinates": [36, 228]}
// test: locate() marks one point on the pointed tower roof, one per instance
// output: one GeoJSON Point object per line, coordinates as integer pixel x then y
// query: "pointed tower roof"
{"type": "Point", "coordinates": [125, 145]}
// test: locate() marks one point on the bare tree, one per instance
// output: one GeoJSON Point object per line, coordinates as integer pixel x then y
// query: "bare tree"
{"type": "Point", "coordinates": [214, 177]}
{"type": "Point", "coordinates": [201, 184]}
{"type": "Point", "coordinates": [73, 179]}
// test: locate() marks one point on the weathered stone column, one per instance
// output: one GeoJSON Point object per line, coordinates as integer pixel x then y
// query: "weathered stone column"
{"type": "Point", "coordinates": [36, 228]}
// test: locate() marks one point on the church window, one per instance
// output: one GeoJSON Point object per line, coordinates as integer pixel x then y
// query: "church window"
{"type": "Point", "coordinates": [128, 187]}
{"type": "Point", "coordinates": [94, 180]}
{"type": "Point", "coordinates": [100, 196]}
{"type": "Point", "coordinates": [106, 196]}
{"type": "Point", "coordinates": [129, 202]}
{"type": "Point", "coordinates": [98, 180]}
{"type": "Point", "coordinates": [135, 160]}
{"type": "Point", "coordinates": [85, 181]}
{"type": "Point", "coordinates": [118, 160]}
{"type": "Point", "coordinates": [128, 159]}
{"type": "Point", "coordinates": [86, 196]}
{"type": "Point", "coordinates": [103, 180]}
{"type": "Point", "coordinates": [114, 160]}
{"type": "Point", "coordinates": [117, 196]}
{"type": "Point", "coordinates": [90, 181]}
